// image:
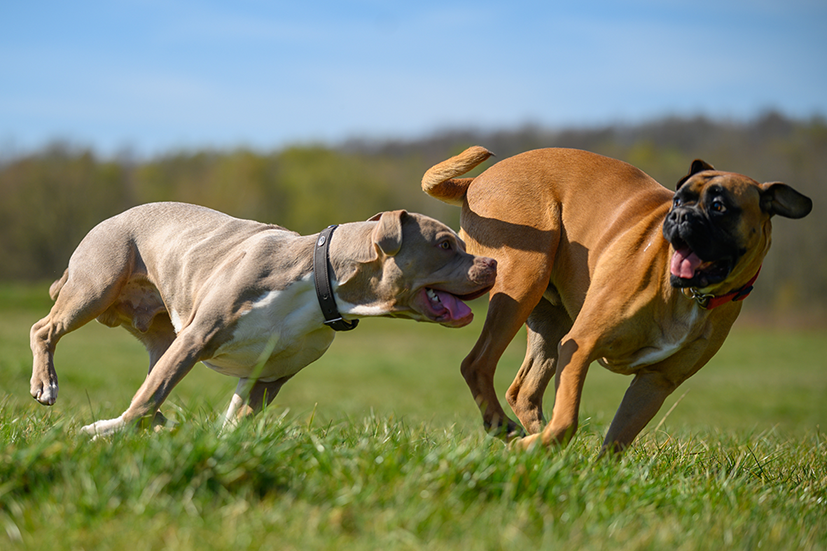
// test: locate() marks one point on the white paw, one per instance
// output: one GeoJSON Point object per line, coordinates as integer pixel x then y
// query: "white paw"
{"type": "Point", "coordinates": [46, 394]}
{"type": "Point", "coordinates": [105, 427]}
{"type": "Point", "coordinates": [228, 424]}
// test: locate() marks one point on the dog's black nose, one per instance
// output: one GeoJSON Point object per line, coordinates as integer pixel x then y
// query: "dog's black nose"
{"type": "Point", "coordinates": [679, 215]}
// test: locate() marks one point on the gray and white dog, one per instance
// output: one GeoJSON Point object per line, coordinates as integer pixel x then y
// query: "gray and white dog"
{"type": "Point", "coordinates": [193, 284]}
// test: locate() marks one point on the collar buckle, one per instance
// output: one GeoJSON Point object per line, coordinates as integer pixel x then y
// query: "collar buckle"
{"type": "Point", "coordinates": [708, 302]}
{"type": "Point", "coordinates": [701, 298]}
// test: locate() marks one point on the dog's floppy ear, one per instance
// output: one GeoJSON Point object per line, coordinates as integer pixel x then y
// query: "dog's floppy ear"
{"type": "Point", "coordinates": [781, 199]}
{"type": "Point", "coordinates": [387, 235]}
{"type": "Point", "coordinates": [697, 166]}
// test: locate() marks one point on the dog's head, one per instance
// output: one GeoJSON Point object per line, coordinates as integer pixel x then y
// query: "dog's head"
{"type": "Point", "coordinates": [426, 274]}
{"type": "Point", "coordinates": [719, 226]}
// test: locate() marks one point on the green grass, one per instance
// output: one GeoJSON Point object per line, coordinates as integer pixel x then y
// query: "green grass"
{"type": "Point", "coordinates": [379, 446]}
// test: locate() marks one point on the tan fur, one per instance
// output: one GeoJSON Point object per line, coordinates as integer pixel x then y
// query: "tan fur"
{"type": "Point", "coordinates": [583, 263]}
{"type": "Point", "coordinates": [439, 181]}
{"type": "Point", "coordinates": [195, 285]}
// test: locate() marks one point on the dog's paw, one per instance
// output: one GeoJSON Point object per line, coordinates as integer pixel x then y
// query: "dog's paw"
{"type": "Point", "coordinates": [104, 428]}
{"type": "Point", "coordinates": [228, 424]}
{"type": "Point", "coordinates": [507, 431]}
{"type": "Point", "coordinates": [161, 423]}
{"type": "Point", "coordinates": [526, 443]}
{"type": "Point", "coordinates": [513, 431]}
{"type": "Point", "coordinates": [44, 392]}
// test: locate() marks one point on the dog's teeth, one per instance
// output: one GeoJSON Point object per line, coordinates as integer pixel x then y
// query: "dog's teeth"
{"type": "Point", "coordinates": [433, 296]}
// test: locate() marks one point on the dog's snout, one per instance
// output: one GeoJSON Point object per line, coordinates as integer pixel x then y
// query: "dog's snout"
{"type": "Point", "coordinates": [675, 215]}
{"type": "Point", "coordinates": [484, 270]}
{"type": "Point", "coordinates": [680, 215]}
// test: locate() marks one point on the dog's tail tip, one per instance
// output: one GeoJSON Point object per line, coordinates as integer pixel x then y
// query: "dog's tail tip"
{"type": "Point", "coordinates": [54, 288]}
{"type": "Point", "coordinates": [441, 182]}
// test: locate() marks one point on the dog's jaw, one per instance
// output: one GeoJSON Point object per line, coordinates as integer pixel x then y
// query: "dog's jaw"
{"type": "Point", "coordinates": [442, 307]}
{"type": "Point", "coordinates": [427, 304]}
{"type": "Point", "coordinates": [701, 256]}
{"type": "Point", "coordinates": [688, 269]}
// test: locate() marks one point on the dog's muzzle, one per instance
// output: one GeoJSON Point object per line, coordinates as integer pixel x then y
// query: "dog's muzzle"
{"type": "Point", "coordinates": [701, 258]}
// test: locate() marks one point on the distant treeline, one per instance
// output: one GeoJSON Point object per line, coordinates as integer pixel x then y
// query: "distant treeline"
{"type": "Point", "coordinates": [50, 199]}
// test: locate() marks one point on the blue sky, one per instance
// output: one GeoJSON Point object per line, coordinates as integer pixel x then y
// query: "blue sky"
{"type": "Point", "coordinates": [151, 76]}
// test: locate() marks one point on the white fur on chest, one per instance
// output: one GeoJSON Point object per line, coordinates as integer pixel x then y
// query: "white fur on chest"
{"type": "Point", "coordinates": [288, 321]}
{"type": "Point", "coordinates": [659, 349]}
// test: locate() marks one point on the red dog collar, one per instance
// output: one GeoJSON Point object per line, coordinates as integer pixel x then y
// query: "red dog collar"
{"type": "Point", "coordinates": [709, 302]}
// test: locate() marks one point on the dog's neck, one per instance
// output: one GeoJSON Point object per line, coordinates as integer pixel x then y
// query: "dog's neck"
{"type": "Point", "coordinates": [354, 266]}
{"type": "Point", "coordinates": [710, 301]}
{"type": "Point", "coordinates": [321, 279]}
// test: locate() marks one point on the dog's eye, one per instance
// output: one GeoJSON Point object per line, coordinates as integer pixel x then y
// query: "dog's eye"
{"type": "Point", "coordinates": [445, 245]}
{"type": "Point", "coordinates": [676, 202]}
{"type": "Point", "coordinates": [718, 206]}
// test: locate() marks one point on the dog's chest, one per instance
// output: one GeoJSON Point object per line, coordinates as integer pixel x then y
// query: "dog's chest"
{"type": "Point", "coordinates": [277, 336]}
{"type": "Point", "coordinates": [661, 345]}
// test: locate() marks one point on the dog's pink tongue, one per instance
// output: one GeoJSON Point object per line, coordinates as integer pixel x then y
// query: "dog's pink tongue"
{"type": "Point", "coordinates": [684, 263]}
{"type": "Point", "coordinates": [458, 309]}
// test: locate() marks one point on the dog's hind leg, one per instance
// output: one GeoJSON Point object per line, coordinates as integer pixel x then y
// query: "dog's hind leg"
{"type": "Point", "coordinates": [91, 285]}
{"type": "Point", "coordinates": [520, 286]}
{"type": "Point", "coordinates": [250, 397]}
{"type": "Point", "coordinates": [237, 403]}
{"type": "Point", "coordinates": [546, 325]}
{"type": "Point", "coordinates": [524, 243]}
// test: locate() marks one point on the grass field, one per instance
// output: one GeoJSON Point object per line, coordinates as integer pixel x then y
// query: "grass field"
{"type": "Point", "coordinates": [379, 446]}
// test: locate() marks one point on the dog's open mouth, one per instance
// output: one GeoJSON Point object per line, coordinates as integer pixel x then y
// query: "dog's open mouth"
{"type": "Point", "coordinates": [446, 308]}
{"type": "Point", "coordinates": [689, 270]}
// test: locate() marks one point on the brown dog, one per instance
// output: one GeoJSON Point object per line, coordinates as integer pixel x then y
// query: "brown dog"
{"type": "Point", "coordinates": [604, 264]}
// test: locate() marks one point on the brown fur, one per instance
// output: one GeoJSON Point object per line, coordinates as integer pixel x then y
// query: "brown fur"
{"type": "Point", "coordinates": [583, 263]}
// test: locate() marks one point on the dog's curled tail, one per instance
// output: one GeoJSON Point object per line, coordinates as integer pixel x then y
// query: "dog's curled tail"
{"type": "Point", "coordinates": [441, 182]}
{"type": "Point", "coordinates": [54, 288]}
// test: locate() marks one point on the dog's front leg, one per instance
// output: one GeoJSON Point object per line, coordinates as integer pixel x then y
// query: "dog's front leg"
{"type": "Point", "coordinates": [178, 360]}
{"type": "Point", "coordinates": [642, 400]}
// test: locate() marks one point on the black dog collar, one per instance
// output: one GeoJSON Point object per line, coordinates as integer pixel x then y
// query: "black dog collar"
{"type": "Point", "coordinates": [321, 278]}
